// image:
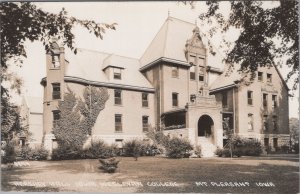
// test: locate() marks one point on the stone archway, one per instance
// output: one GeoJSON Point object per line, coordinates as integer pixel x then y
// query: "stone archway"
{"type": "Point", "coordinates": [205, 126]}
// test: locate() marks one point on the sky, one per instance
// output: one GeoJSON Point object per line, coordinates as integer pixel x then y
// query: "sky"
{"type": "Point", "coordinates": [137, 24]}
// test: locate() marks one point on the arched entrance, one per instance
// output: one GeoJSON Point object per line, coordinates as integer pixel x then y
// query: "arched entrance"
{"type": "Point", "coordinates": [205, 126]}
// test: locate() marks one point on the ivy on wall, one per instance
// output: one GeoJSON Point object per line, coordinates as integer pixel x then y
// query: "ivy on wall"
{"type": "Point", "coordinates": [78, 116]}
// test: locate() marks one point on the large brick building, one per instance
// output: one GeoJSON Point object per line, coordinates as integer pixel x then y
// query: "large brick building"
{"type": "Point", "coordinates": [177, 86]}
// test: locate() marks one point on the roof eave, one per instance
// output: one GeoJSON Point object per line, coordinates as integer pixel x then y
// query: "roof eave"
{"type": "Point", "coordinates": [164, 59]}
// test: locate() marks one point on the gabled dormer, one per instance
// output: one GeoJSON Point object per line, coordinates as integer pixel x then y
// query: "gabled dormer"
{"type": "Point", "coordinates": [113, 68]}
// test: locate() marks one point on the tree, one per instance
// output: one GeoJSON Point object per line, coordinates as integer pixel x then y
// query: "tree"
{"type": "Point", "coordinates": [294, 130]}
{"type": "Point", "coordinates": [266, 34]}
{"type": "Point", "coordinates": [78, 117]}
{"type": "Point", "coordinates": [22, 21]}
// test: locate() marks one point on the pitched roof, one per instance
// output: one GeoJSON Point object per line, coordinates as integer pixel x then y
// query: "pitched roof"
{"type": "Point", "coordinates": [89, 65]}
{"type": "Point", "coordinates": [34, 104]}
{"type": "Point", "coordinates": [170, 42]}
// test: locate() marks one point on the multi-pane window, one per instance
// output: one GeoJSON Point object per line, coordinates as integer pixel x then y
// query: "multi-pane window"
{"type": "Point", "coordinates": [265, 122]}
{"type": "Point", "coordinates": [145, 100]}
{"type": "Point", "coordinates": [224, 99]}
{"type": "Point", "coordinates": [269, 78]}
{"type": "Point", "coordinates": [265, 100]}
{"type": "Point", "coordinates": [56, 91]}
{"type": "Point", "coordinates": [260, 76]}
{"type": "Point", "coordinates": [266, 142]}
{"type": "Point", "coordinates": [274, 101]}
{"type": "Point", "coordinates": [118, 97]}
{"type": "Point", "coordinates": [250, 97]}
{"type": "Point", "coordinates": [192, 72]}
{"type": "Point", "coordinates": [275, 142]}
{"type": "Point", "coordinates": [56, 115]}
{"type": "Point", "coordinates": [118, 122]}
{"type": "Point", "coordinates": [145, 124]}
{"type": "Point", "coordinates": [274, 121]}
{"type": "Point", "coordinates": [201, 74]}
{"type": "Point", "coordinates": [175, 99]}
{"type": "Point", "coordinates": [117, 73]}
{"type": "Point", "coordinates": [119, 143]}
{"type": "Point", "coordinates": [175, 71]}
{"type": "Point", "coordinates": [250, 122]}
{"type": "Point", "coordinates": [55, 61]}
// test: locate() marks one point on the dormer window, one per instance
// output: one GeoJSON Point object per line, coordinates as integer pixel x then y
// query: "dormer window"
{"type": "Point", "coordinates": [175, 72]}
{"type": "Point", "coordinates": [117, 73]}
{"type": "Point", "coordinates": [55, 61]}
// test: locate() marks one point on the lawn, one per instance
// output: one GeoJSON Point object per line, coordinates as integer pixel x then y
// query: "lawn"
{"type": "Point", "coordinates": [156, 174]}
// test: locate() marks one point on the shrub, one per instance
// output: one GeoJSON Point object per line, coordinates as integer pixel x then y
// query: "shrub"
{"type": "Point", "coordinates": [296, 148]}
{"type": "Point", "coordinates": [285, 148]}
{"type": "Point", "coordinates": [241, 147]}
{"type": "Point", "coordinates": [197, 151]}
{"type": "Point", "coordinates": [178, 148]}
{"type": "Point", "coordinates": [66, 152]}
{"type": "Point", "coordinates": [10, 153]}
{"type": "Point", "coordinates": [109, 165]}
{"type": "Point", "coordinates": [133, 148]}
{"type": "Point", "coordinates": [39, 153]}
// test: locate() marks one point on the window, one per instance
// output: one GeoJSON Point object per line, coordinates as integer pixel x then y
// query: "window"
{"type": "Point", "coordinates": [117, 73]}
{"type": "Point", "coordinates": [193, 98]}
{"type": "Point", "coordinates": [201, 74]}
{"type": "Point", "coordinates": [266, 142]}
{"type": "Point", "coordinates": [192, 72]}
{"type": "Point", "coordinates": [144, 100]}
{"type": "Point", "coordinates": [274, 101]}
{"type": "Point", "coordinates": [145, 124]}
{"type": "Point", "coordinates": [56, 91]}
{"type": "Point", "coordinates": [265, 100]}
{"type": "Point", "coordinates": [275, 142]}
{"type": "Point", "coordinates": [260, 76]}
{"type": "Point", "coordinates": [175, 71]}
{"type": "Point", "coordinates": [250, 97]}
{"type": "Point", "coordinates": [265, 123]}
{"type": "Point", "coordinates": [274, 121]}
{"type": "Point", "coordinates": [118, 97]}
{"type": "Point", "coordinates": [224, 99]}
{"type": "Point", "coordinates": [250, 122]}
{"type": "Point", "coordinates": [56, 115]}
{"type": "Point", "coordinates": [55, 61]}
{"type": "Point", "coordinates": [175, 99]}
{"type": "Point", "coordinates": [269, 78]}
{"type": "Point", "coordinates": [118, 123]}
{"type": "Point", "coordinates": [119, 143]}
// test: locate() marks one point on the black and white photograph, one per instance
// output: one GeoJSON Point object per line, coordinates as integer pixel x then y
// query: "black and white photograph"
{"type": "Point", "coordinates": [150, 96]}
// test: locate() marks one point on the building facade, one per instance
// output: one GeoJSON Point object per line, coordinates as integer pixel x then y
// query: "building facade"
{"type": "Point", "coordinates": [176, 86]}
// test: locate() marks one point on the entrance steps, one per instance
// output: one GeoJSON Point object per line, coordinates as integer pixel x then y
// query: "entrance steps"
{"type": "Point", "coordinates": [207, 147]}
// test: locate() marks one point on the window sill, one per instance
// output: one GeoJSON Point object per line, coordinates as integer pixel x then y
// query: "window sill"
{"type": "Point", "coordinates": [120, 105]}
{"type": "Point", "coordinates": [146, 107]}
{"type": "Point", "coordinates": [118, 131]}
{"type": "Point", "coordinates": [55, 68]}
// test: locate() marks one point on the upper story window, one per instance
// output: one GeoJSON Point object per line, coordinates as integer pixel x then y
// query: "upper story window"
{"type": "Point", "coordinates": [117, 73]}
{"type": "Point", "coordinates": [224, 99]}
{"type": "Point", "coordinates": [175, 71]}
{"type": "Point", "coordinates": [145, 121]}
{"type": "Point", "coordinates": [56, 115]}
{"type": "Point", "coordinates": [260, 76]}
{"type": "Point", "coordinates": [118, 97]}
{"type": "Point", "coordinates": [201, 73]}
{"type": "Point", "coordinates": [175, 99]}
{"type": "Point", "coordinates": [145, 100]}
{"type": "Point", "coordinates": [269, 78]}
{"type": "Point", "coordinates": [265, 100]}
{"type": "Point", "coordinates": [250, 97]}
{"type": "Point", "coordinates": [265, 122]}
{"type": "Point", "coordinates": [55, 61]}
{"type": "Point", "coordinates": [118, 123]}
{"type": "Point", "coordinates": [274, 101]}
{"type": "Point", "coordinates": [56, 91]}
{"type": "Point", "coordinates": [250, 122]}
{"type": "Point", "coordinates": [192, 72]}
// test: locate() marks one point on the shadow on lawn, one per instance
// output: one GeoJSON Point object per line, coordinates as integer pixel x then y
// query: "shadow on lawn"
{"type": "Point", "coordinates": [11, 176]}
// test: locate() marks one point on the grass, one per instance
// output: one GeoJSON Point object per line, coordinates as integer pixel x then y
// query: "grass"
{"type": "Point", "coordinates": [84, 175]}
